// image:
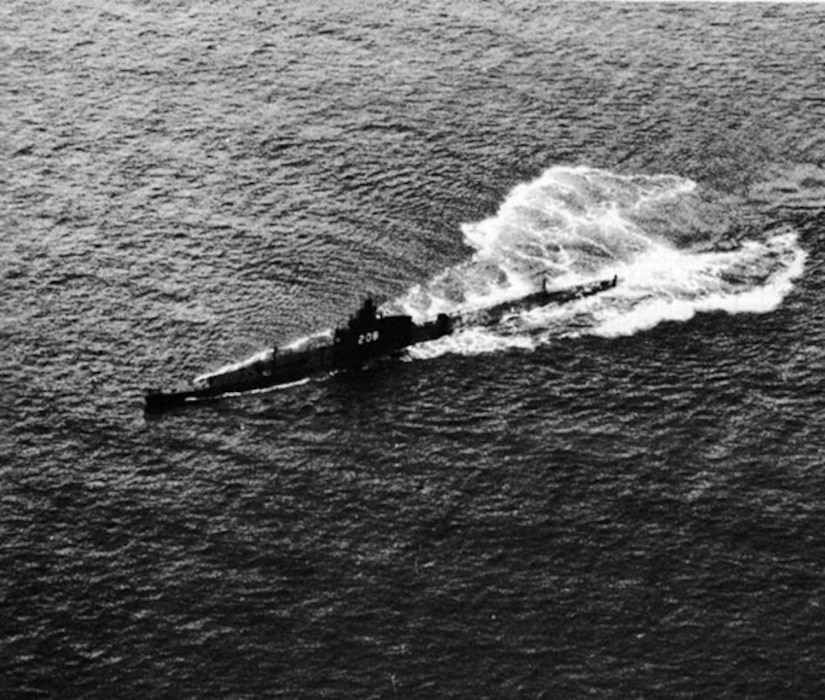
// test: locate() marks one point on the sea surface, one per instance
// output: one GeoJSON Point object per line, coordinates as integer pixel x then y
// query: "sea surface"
{"type": "Point", "coordinates": [622, 497]}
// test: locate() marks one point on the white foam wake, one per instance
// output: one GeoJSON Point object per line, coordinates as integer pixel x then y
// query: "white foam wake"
{"type": "Point", "coordinates": [657, 233]}
{"type": "Point", "coordinates": [670, 285]}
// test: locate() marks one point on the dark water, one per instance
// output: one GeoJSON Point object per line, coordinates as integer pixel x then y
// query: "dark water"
{"type": "Point", "coordinates": [624, 498]}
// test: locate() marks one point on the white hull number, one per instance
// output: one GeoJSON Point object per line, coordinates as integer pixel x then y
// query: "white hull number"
{"type": "Point", "coordinates": [365, 338]}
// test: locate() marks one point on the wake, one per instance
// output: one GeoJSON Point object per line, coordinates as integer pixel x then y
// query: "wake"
{"type": "Point", "coordinates": [664, 239]}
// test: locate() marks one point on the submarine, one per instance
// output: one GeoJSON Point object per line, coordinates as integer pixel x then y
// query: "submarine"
{"type": "Point", "coordinates": [367, 335]}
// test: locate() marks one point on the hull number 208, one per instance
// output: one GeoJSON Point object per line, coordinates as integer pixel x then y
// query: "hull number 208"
{"type": "Point", "coordinates": [365, 338]}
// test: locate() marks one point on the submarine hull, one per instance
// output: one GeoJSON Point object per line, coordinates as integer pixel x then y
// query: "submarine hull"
{"type": "Point", "coordinates": [366, 337]}
{"type": "Point", "coordinates": [350, 348]}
